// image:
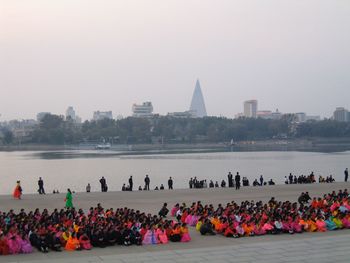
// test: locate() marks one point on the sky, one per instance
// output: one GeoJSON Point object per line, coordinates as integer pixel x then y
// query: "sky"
{"type": "Point", "coordinates": [106, 55]}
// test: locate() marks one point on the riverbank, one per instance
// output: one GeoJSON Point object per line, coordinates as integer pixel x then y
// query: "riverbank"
{"type": "Point", "coordinates": [151, 201]}
{"type": "Point", "coordinates": [309, 144]}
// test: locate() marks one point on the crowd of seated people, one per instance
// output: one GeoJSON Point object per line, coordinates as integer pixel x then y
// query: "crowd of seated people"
{"type": "Point", "coordinates": [74, 230]}
{"type": "Point", "coordinates": [251, 218]}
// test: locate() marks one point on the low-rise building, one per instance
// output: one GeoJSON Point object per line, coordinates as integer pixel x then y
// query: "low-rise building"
{"type": "Point", "coordinates": [145, 110]}
{"type": "Point", "coordinates": [100, 115]}
{"type": "Point", "coordinates": [182, 114]}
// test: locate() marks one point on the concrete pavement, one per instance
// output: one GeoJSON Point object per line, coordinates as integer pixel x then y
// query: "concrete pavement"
{"type": "Point", "coordinates": [306, 247]}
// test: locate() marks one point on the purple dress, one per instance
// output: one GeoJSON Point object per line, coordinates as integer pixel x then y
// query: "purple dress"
{"type": "Point", "coordinates": [26, 247]}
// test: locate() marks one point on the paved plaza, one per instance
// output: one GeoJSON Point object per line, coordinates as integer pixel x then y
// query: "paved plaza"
{"type": "Point", "coordinates": [310, 248]}
{"type": "Point", "coordinates": [307, 247]}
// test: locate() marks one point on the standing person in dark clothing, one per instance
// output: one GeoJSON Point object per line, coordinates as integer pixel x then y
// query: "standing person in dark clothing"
{"type": "Point", "coordinates": [230, 179]}
{"type": "Point", "coordinates": [346, 173]}
{"type": "Point", "coordinates": [103, 184]}
{"type": "Point", "coordinates": [261, 180]}
{"type": "Point", "coordinates": [147, 181]}
{"type": "Point", "coordinates": [191, 183]}
{"type": "Point", "coordinates": [131, 183]}
{"type": "Point", "coordinates": [41, 186]}
{"type": "Point", "coordinates": [170, 183]}
{"type": "Point", "coordinates": [290, 178]}
{"type": "Point", "coordinates": [238, 181]}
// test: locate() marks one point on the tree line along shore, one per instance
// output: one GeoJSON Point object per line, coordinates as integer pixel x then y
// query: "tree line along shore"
{"type": "Point", "coordinates": [160, 130]}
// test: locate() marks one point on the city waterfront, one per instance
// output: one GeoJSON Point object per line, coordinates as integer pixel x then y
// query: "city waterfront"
{"type": "Point", "coordinates": [74, 169]}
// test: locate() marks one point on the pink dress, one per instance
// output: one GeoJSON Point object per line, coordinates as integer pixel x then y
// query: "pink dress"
{"type": "Point", "coordinates": [185, 236]}
{"type": "Point", "coordinates": [287, 227]}
{"type": "Point", "coordinates": [297, 227]}
{"type": "Point", "coordinates": [173, 211]}
{"type": "Point", "coordinates": [85, 242]}
{"type": "Point", "coordinates": [321, 226]}
{"type": "Point", "coordinates": [345, 222]}
{"type": "Point", "coordinates": [267, 227]}
{"type": "Point", "coordinates": [259, 231]}
{"type": "Point", "coordinates": [188, 219]}
{"type": "Point", "coordinates": [14, 244]}
{"type": "Point", "coordinates": [162, 237]}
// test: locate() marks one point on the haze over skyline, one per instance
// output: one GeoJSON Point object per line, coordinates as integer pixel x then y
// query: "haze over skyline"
{"type": "Point", "coordinates": [93, 55]}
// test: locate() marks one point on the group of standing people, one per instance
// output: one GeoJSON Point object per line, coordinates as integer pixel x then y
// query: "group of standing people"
{"type": "Point", "coordinates": [237, 180]}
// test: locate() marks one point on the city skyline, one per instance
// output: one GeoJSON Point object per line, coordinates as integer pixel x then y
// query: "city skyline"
{"type": "Point", "coordinates": [293, 56]}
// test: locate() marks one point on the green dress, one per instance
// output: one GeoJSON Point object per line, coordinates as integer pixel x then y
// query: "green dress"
{"type": "Point", "coordinates": [69, 199]}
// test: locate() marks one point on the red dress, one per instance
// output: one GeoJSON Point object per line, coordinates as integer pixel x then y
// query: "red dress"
{"type": "Point", "coordinates": [17, 192]}
{"type": "Point", "coordinates": [4, 247]}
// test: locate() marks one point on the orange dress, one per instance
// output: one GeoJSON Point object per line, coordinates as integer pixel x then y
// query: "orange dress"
{"type": "Point", "coordinates": [72, 244]}
{"type": "Point", "coordinates": [312, 225]}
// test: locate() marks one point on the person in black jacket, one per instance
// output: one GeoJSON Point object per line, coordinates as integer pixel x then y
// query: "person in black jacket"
{"type": "Point", "coordinates": [41, 186]}
{"type": "Point", "coordinates": [170, 183]}
{"type": "Point", "coordinates": [147, 182]}
{"type": "Point", "coordinates": [238, 181]}
{"type": "Point", "coordinates": [131, 183]}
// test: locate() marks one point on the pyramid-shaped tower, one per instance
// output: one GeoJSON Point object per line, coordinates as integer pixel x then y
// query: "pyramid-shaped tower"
{"type": "Point", "coordinates": [197, 103]}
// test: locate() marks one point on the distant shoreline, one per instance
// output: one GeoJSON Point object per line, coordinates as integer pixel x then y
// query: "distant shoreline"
{"type": "Point", "coordinates": [307, 145]}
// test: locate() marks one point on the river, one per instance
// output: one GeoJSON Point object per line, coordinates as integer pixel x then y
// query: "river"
{"type": "Point", "coordinates": [74, 169]}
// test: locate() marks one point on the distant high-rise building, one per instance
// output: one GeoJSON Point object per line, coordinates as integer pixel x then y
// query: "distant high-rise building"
{"type": "Point", "coordinates": [100, 115]}
{"type": "Point", "coordinates": [341, 114]}
{"type": "Point", "coordinates": [250, 108]}
{"type": "Point", "coordinates": [70, 113]}
{"type": "Point", "coordinates": [145, 110]}
{"type": "Point", "coordinates": [197, 103]}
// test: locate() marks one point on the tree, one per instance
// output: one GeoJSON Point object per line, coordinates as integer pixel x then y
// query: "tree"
{"type": "Point", "coordinates": [7, 136]}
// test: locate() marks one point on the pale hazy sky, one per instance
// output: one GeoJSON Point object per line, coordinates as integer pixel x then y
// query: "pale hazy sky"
{"type": "Point", "coordinates": [106, 55]}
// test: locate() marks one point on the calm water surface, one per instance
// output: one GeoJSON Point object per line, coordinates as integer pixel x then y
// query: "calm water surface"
{"type": "Point", "coordinates": [74, 169]}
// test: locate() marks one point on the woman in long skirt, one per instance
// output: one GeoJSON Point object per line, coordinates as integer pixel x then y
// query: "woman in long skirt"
{"type": "Point", "coordinates": [18, 191]}
{"type": "Point", "coordinates": [69, 199]}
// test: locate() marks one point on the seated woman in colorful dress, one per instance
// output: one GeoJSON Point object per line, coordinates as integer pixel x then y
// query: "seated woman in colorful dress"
{"type": "Point", "coordinates": [4, 247]}
{"type": "Point", "coordinates": [175, 235]}
{"type": "Point", "coordinates": [330, 224]}
{"type": "Point", "coordinates": [161, 235]}
{"type": "Point", "coordinates": [150, 237]}
{"type": "Point", "coordinates": [72, 243]}
{"type": "Point", "coordinates": [230, 231]}
{"type": "Point", "coordinates": [26, 247]}
{"type": "Point", "coordinates": [84, 242]}
{"type": "Point", "coordinates": [14, 243]}
{"type": "Point", "coordinates": [337, 222]}
{"type": "Point", "coordinates": [321, 225]}
{"type": "Point", "coordinates": [185, 235]}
